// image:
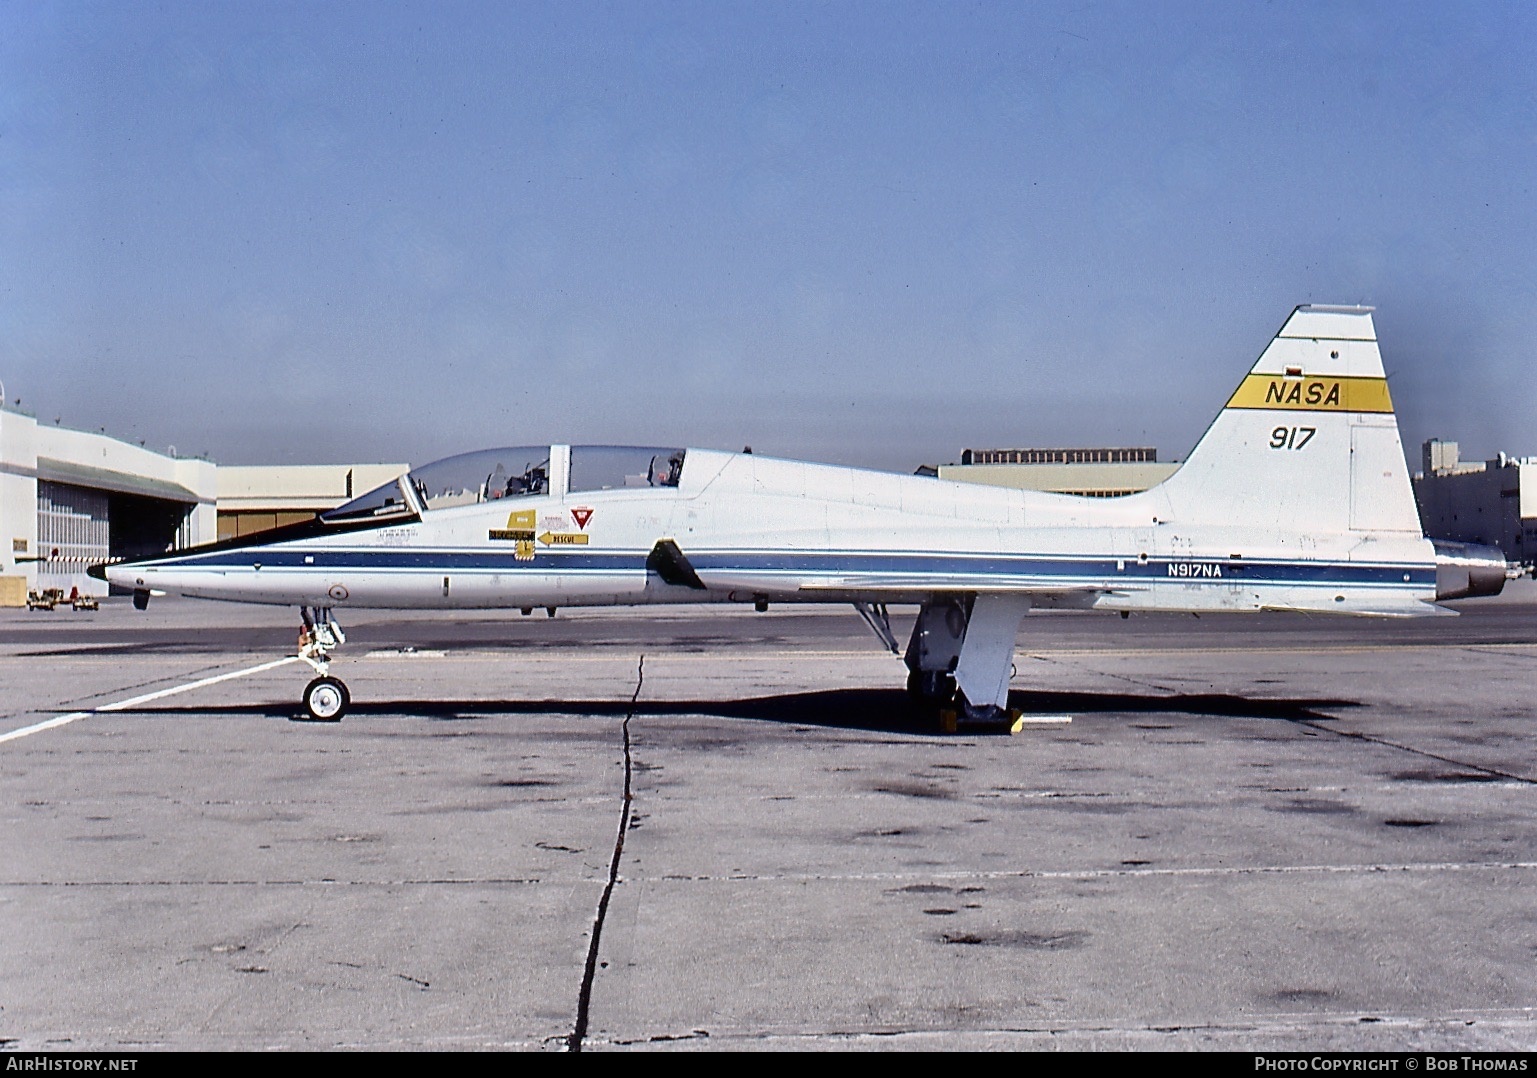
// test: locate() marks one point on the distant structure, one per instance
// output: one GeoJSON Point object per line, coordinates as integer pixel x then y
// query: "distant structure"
{"type": "Point", "coordinates": [1088, 472]}
{"type": "Point", "coordinates": [1138, 455]}
{"type": "Point", "coordinates": [253, 498]}
{"type": "Point", "coordinates": [1493, 502]}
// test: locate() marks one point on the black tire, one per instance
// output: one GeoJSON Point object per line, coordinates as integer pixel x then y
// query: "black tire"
{"type": "Point", "coordinates": [932, 688]}
{"type": "Point", "coordinates": [326, 699]}
{"type": "Point", "coordinates": [915, 686]}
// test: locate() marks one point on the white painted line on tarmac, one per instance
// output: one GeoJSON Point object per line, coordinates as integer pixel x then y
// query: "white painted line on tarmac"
{"type": "Point", "coordinates": [123, 705]}
{"type": "Point", "coordinates": [57, 720]}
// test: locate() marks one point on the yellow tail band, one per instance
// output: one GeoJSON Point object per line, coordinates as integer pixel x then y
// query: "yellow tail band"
{"type": "Point", "coordinates": [1313, 394]}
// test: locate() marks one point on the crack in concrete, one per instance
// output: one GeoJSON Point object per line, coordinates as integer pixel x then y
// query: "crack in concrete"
{"type": "Point", "coordinates": [1427, 754]}
{"type": "Point", "coordinates": [1384, 742]}
{"type": "Point", "coordinates": [1504, 650]}
{"type": "Point", "coordinates": [584, 996]}
{"type": "Point", "coordinates": [74, 704]}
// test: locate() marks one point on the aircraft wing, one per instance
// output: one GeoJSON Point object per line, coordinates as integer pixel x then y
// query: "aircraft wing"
{"type": "Point", "coordinates": [779, 575]}
{"type": "Point", "coordinates": [905, 584]}
{"type": "Point", "coordinates": [949, 583]}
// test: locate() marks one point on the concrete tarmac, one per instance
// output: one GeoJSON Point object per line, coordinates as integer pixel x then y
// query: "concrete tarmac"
{"type": "Point", "coordinates": [715, 829]}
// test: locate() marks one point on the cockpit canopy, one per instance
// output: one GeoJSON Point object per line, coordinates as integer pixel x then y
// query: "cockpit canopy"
{"type": "Point", "coordinates": [513, 472]}
{"type": "Point", "coordinates": [609, 467]}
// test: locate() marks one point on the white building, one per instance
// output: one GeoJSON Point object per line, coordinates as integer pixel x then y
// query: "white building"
{"type": "Point", "coordinates": [1493, 502]}
{"type": "Point", "coordinates": [69, 498]}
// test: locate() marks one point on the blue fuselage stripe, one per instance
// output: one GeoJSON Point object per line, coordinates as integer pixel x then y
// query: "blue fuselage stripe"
{"type": "Point", "coordinates": [843, 564]}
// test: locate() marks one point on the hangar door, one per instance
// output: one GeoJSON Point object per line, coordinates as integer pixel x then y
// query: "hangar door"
{"type": "Point", "coordinates": [89, 524]}
{"type": "Point", "coordinates": [74, 522]}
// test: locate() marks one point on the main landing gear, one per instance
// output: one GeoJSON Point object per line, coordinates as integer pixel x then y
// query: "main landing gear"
{"type": "Point", "coordinates": [325, 698]}
{"type": "Point", "coordinates": [961, 656]}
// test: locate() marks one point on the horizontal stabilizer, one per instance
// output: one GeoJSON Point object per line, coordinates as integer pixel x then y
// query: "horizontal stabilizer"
{"type": "Point", "coordinates": [1413, 609]}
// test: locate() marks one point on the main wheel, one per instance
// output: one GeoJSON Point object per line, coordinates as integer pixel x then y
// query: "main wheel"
{"type": "Point", "coordinates": [935, 688]}
{"type": "Point", "coordinates": [326, 699]}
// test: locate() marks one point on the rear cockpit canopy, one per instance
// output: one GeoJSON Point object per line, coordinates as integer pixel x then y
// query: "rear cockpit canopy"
{"type": "Point", "coordinates": [611, 467]}
{"type": "Point", "coordinates": [513, 472]}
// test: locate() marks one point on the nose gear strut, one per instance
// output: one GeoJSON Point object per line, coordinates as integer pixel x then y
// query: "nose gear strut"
{"type": "Point", "coordinates": [325, 698]}
{"type": "Point", "coordinates": [318, 637]}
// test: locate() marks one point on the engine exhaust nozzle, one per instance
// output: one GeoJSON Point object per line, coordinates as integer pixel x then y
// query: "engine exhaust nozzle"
{"type": "Point", "coordinates": [1468, 570]}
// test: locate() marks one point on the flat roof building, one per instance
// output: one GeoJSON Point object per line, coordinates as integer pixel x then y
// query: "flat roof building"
{"type": "Point", "coordinates": [1136, 455]}
{"type": "Point", "coordinates": [1092, 472]}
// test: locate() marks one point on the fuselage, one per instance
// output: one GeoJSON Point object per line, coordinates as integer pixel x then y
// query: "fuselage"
{"type": "Point", "coordinates": [1296, 498]}
{"type": "Point", "coordinates": [757, 529]}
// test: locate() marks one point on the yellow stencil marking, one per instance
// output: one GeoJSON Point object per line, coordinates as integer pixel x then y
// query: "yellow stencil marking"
{"type": "Point", "coordinates": [1313, 394]}
{"type": "Point", "coordinates": [519, 529]}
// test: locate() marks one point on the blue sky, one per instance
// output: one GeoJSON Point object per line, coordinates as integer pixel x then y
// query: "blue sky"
{"type": "Point", "coordinates": [872, 233]}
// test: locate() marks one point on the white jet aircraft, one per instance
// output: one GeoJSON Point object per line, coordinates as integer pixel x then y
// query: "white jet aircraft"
{"type": "Point", "coordinates": [1296, 498]}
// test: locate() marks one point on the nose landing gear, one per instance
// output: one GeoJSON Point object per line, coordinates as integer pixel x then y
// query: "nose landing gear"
{"type": "Point", "coordinates": [325, 698]}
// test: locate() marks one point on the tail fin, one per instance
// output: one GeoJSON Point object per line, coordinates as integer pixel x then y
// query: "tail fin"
{"type": "Point", "coordinates": [1308, 443]}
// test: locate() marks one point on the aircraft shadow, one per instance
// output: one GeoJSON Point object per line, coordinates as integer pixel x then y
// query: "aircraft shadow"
{"type": "Point", "coordinates": [851, 709]}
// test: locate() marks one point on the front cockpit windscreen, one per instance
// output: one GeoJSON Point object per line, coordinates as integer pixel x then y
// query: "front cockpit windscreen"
{"type": "Point", "coordinates": [470, 478]}
{"type": "Point", "coordinates": [486, 475]}
{"type": "Point", "coordinates": [381, 503]}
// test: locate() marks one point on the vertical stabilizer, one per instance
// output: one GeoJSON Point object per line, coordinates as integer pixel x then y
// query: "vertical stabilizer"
{"type": "Point", "coordinates": [1308, 443]}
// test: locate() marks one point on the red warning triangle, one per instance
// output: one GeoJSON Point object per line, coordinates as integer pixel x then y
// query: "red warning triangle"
{"type": "Point", "coordinates": [581, 516]}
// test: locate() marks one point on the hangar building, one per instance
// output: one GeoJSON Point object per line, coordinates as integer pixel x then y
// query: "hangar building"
{"type": "Point", "coordinates": [69, 498]}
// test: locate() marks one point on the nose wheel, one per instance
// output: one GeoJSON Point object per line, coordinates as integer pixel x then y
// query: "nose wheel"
{"type": "Point", "coordinates": [326, 699]}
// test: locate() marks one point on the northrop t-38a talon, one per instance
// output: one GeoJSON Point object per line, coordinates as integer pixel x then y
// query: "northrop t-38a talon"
{"type": "Point", "coordinates": [1296, 498]}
